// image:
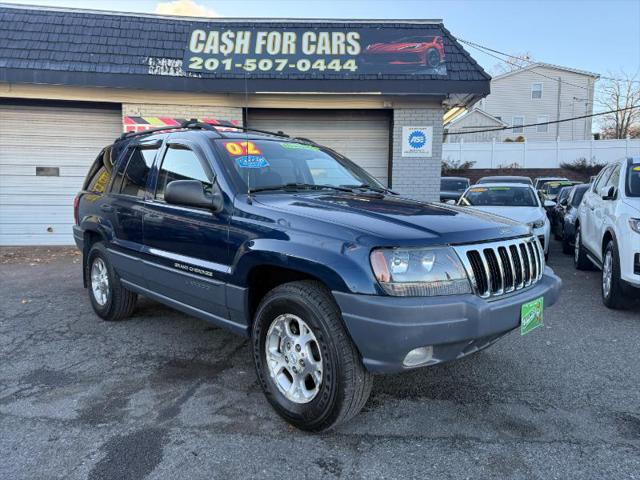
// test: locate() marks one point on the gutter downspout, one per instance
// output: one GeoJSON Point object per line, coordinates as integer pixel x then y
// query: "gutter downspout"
{"type": "Point", "coordinates": [558, 108]}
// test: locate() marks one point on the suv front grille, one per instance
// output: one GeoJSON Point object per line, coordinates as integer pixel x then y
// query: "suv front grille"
{"type": "Point", "coordinates": [498, 268]}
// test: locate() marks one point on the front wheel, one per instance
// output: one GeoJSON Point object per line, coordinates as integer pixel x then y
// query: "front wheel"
{"type": "Point", "coordinates": [308, 367]}
{"type": "Point", "coordinates": [580, 260]}
{"type": "Point", "coordinates": [612, 294]}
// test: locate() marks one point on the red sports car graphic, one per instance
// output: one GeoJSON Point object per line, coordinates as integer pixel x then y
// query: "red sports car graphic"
{"type": "Point", "coordinates": [423, 51]}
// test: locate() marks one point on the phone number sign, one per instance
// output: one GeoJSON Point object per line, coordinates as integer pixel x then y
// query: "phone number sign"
{"type": "Point", "coordinates": [304, 51]}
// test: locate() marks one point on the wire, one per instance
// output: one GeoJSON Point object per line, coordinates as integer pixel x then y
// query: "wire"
{"type": "Point", "coordinates": [530, 62]}
{"type": "Point", "coordinates": [544, 123]}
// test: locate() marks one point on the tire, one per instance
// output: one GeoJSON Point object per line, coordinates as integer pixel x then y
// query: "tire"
{"type": "Point", "coordinates": [580, 260]}
{"type": "Point", "coordinates": [567, 249]}
{"type": "Point", "coordinates": [344, 385]}
{"type": "Point", "coordinates": [611, 285]}
{"type": "Point", "coordinates": [433, 58]}
{"type": "Point", "coordinates": [117, 302]}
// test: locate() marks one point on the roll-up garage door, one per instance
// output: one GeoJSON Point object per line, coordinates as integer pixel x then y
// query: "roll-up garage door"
{"type": "Point", "coordinates": [360, 135]}
{"type": "Point", "coordinates": [45, 152]}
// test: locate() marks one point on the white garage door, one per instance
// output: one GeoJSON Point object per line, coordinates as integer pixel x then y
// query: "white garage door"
{"type": "Point", "coordinates": [362, 136]}
{"type": "Point", "coordinates": [45, 153]}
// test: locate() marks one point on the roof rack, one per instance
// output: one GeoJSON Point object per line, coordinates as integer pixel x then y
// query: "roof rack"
{"type": "Point", "coordinates": [196, 125]}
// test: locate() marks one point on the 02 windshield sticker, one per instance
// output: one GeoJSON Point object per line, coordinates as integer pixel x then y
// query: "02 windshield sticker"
{"type": "Point", "coordinates": [298, 146]}
{"type": "Point", "coordinates": [476, 190]}
{"type": "Point", "coordinates": [636, 169]}
{"type": "Point", "coordinates": [252, 161]}
{"type": "Point", "coordinates": [242, 148]}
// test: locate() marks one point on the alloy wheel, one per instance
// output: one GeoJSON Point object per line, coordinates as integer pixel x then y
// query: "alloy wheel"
{"type": "Point", "coordinates": [607, 274]}
{"type": "Point", "coordinates": [294, 359]}
{"type": "Point", "coordinates": [99, 281]}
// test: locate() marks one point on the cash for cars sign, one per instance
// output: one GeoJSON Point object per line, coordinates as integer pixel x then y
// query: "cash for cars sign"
{"type": "Point", "coordinates": [307, 51]}
{"type": "Point", "coordinates": [417, 141]}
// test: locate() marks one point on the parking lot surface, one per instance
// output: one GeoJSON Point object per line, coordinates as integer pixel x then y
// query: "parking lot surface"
{"type": "Point", "coordinates": [163, 395]}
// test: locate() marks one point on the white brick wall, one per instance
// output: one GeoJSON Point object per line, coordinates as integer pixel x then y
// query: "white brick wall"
{"type": "Point", "coordinates": [182, 111]}
{"type": "Point", "coordinates": [417, 178]}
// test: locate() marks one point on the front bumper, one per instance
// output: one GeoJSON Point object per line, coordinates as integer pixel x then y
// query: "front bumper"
{"type": "Point", "coordinates": [386, 328]}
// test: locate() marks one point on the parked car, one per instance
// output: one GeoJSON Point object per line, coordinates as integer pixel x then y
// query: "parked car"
{"type": "Point", "coordinates": [427, 51]}
{"type": "Point", "coordinates": [333, 277]}
{"type": "Point", "coordinates": [505, 179]}
{"type": "Point", "coordinates": [556, 213]}
{"type": "Point", "coordinates": [515, 201]}
{"type": "Point", "coordinates": [539, 182]}
{"type": "Point", "coordinates": [452, 187]}
{"type": "Point", "coordinates": [570, 215]}
{"type": "Point", "coordinates": [608, 231]}
{"type": "Point", "coordinates": [550, 190]}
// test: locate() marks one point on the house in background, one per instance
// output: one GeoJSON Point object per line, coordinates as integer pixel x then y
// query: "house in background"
{"type": "Point", "coordinates": [472, 121]}
{"type": "Point", "coordinates": [538, 93]}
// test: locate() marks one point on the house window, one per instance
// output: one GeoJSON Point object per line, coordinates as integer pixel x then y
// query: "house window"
{"type": "Point", "coordinates": [517, 124]}
{"type": "Point", "coordinates": [542, 128]}
{"type": "Point", "coordinates": [536, 90]}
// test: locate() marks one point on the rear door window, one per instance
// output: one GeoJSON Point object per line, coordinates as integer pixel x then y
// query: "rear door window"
{"type": "Point", "coordinates": [132, 173]}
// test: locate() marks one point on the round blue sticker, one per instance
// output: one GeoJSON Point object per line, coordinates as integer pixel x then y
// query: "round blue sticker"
{"type": "Point", "coordinates": [252, 161]}
{"type": "Point", "coordinates": [417, 139]}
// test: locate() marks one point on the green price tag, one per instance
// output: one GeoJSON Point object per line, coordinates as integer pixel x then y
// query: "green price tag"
{"type": "Point", "coordinates": [531, 315]}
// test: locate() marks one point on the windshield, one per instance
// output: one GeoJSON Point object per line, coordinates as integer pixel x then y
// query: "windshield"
{"type": "Point", "coordinates": [453, 185]}
{"type": "Point", "coordinates": [633, 181]}
{"type": "Point", "coordinates": [500, 197]}
{"type": "Point", "coordinates": [554, 188]}
{"type": "Point", "coordinates": [268, 164]}
{"type": "Point", "coordinates": [577, 196]}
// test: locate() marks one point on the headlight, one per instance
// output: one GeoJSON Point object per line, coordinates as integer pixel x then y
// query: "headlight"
{"type": "Point", "coordinates": [634, 223]}
{"type": "Point", "coordinates": [537, 223]}
{"type": "Point", "coordinates": [419, 272]}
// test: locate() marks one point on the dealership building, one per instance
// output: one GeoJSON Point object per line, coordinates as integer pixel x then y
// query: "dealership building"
{"type": "Point", "coordinates": [71, 81]}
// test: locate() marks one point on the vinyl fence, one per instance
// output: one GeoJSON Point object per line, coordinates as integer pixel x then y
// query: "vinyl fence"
{"type": "Point", "coordinates": [538, 154]}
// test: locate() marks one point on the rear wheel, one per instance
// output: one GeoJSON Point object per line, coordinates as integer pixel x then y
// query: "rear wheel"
{"type": "Point", "coordinates": [109, 299]}
{"type": "Point", "coordinates": [612, 294]}
{"type": "Point", "coordinates": [433, 58]}
{"type": "Point", "coordinates": [580, 260]}
{"type": "Point", "coordinates": [308, 367]}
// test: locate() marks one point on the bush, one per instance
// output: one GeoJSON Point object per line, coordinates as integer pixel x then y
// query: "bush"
{"type": "Point", "coordinates": [583, 166]}
{"type": "Point", "coordinates": [510, 165]}
{"type": "Point", "coordinates": [455, 167]}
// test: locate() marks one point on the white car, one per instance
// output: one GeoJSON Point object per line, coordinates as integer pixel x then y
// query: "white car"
{"type": "Point", "coordinates": [516, 201]}
{"type": "Point", "coordinates": [608, 231]}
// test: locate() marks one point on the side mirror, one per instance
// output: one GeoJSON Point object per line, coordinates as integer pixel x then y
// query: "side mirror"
{"type": "Point", "coordinates": [190, 193]}
{"type": "Point", "coordinates": [549, 204]}
{"type": "Point", "coordinates": [610, 194]}
{"type": "Point", "coordinates": [564, 202]}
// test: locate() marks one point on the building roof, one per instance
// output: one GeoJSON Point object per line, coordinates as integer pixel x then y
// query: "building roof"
{"type": "Point", "coordinates": [547, 65]}
{"type": "Point", "coordinates": [91, 48]}
{"type": "Point", "coordinates": [478, 111]}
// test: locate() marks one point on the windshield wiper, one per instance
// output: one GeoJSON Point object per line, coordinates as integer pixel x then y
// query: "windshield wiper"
{"type": "Point", "coordinates": [366, 186]}
{"type": "Point", "coordinates": [298, 186]}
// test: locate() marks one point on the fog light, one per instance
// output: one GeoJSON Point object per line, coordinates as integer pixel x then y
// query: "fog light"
{"type": "Point", "coordinates": [418, 356]}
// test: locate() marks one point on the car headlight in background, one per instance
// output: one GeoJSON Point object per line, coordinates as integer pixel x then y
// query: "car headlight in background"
{"type": "Point", "coordinates": [537, 223]}
{"type": "Point", "coordinates": [419, 272]}
{"type": "Point", "coordinates": [634, 223]}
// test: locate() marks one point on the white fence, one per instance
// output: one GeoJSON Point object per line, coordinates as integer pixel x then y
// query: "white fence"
{"type": "Point", "coordinates": [538, 154]}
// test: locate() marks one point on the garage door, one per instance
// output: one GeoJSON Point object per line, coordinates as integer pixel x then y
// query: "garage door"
{"type": "Point", "coordinates": [362, 136]}
{"type": "Point", "coordinates": [45, 153]}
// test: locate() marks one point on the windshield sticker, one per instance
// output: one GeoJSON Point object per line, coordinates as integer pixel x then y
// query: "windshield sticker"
{"type": "Point", "coordinates": [493, 189]}
{"type": "Point", "coordinates": [298, 146]}
{"type": "Point", "coordinates": [478, 190]}
{"type": "Point", "coordinates": [242, 148]}
{"type": "Point", "coordinates": [636, 169]}
{"type": "Point", "coordinates": [252, 161]}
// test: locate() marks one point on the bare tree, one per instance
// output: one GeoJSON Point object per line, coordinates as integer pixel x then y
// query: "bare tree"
{"type": "Point", "coordinates": [516, 61]}
{"type": "Point", "coordinates": [620, 94]}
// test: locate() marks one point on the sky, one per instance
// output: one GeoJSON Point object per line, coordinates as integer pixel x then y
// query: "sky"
{"type": "Point", "coordinates": [597, 36]}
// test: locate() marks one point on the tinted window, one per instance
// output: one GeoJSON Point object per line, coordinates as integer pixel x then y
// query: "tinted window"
{"type": "Point", "coordinates": [131, 175]}
{"type": "Point", "coordinates": [100, 172]}
{"type": "Point", "coordinates": [500, 197]}
{"type": "Point", "coordinates": [453, 185]}
{"type": "Point", "coordinates": [180, 164]}
{"type": "Point", "coordinates": [632, 182]}
{"type": "Point", "coordinates": [577, 196]}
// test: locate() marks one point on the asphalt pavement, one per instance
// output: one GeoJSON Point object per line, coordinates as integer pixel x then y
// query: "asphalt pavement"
{"type": "Point", "coordinates": [163, 395]}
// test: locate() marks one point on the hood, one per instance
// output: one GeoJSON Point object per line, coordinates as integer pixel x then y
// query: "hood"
{"type": "Point", "coordinates": [391, 220]}
{"type": "Point", "coordinates": [518, 214]}
{"type": "Point", "coordinates": [634, 203]}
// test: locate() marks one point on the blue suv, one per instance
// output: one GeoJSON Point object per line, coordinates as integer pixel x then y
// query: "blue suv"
{"type": "Point", "coordinates": [331, 275]}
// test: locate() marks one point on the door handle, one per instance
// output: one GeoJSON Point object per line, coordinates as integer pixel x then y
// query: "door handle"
{"type": "Point", "coordinates": [106, 208]}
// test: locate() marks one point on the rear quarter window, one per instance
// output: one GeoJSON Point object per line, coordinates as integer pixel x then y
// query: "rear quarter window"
{"type": "Point", "coordinates": [100, 172]}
